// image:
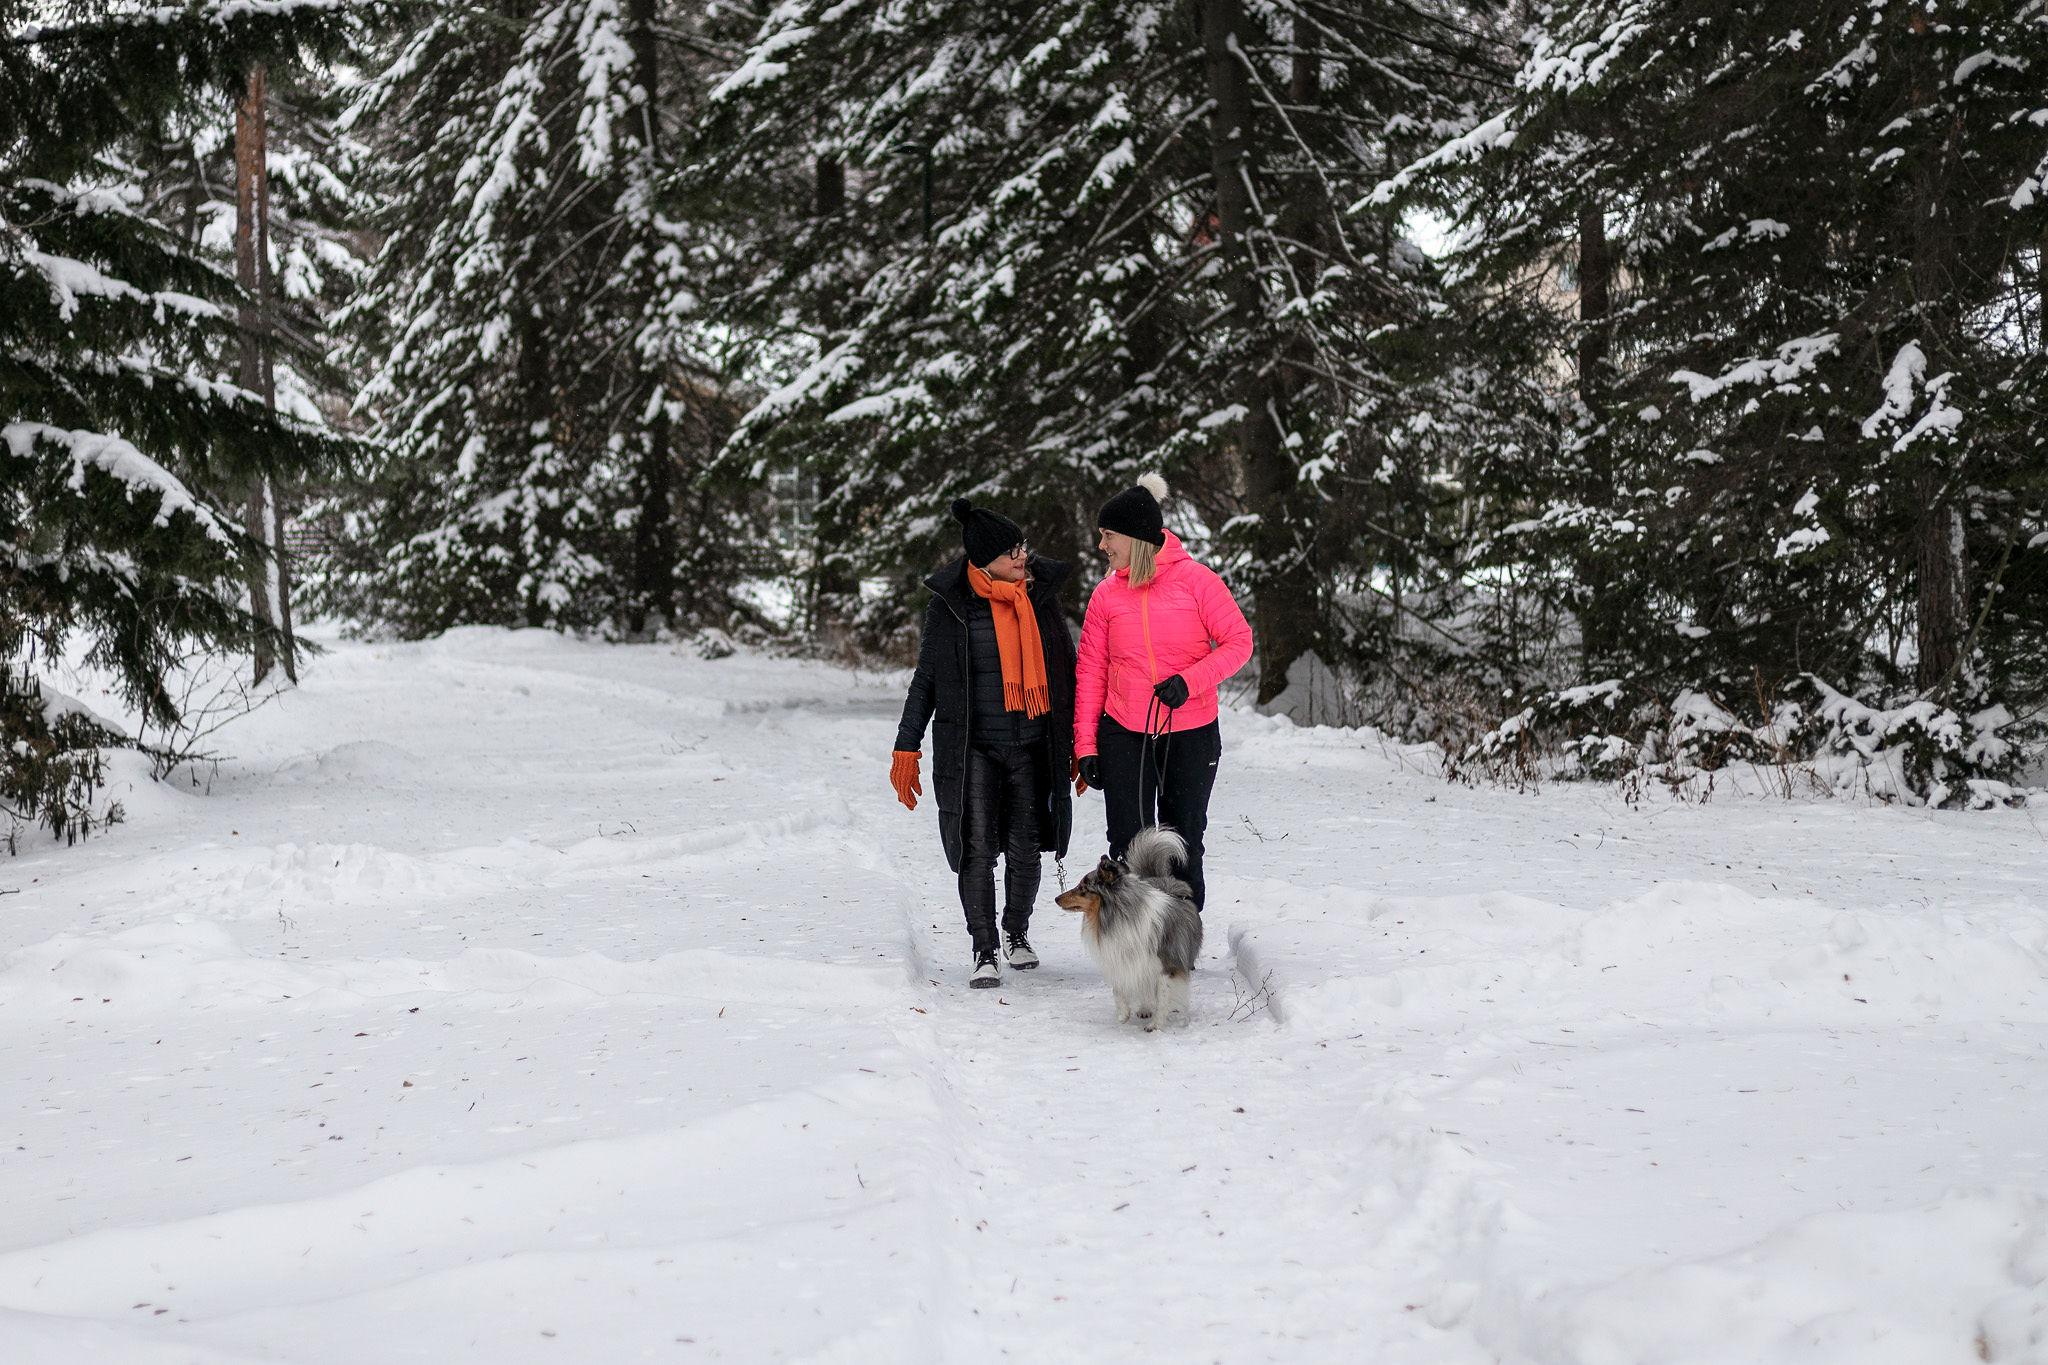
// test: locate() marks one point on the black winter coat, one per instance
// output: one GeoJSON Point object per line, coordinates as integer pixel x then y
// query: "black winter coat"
{"type": "Point", "coordinates": [942, 694]}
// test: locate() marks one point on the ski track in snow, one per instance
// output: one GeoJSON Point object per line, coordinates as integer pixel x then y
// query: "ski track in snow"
{"type": "Point", "coordinates": [508, 998]}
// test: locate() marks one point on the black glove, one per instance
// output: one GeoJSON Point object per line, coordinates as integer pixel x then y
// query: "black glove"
{"type": "Point", "coordinates": [1091, 771]}
{"type": "Point", "coordinates": [1173, 691]}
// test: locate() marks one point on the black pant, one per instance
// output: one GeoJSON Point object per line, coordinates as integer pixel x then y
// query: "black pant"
{"type": "Point", "coordinates": [1000, 817]}
{"type": "Point", "coordinates": [1131, 788]}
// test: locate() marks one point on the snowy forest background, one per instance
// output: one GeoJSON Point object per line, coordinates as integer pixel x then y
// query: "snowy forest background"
{"type": "Point", "coordinates": [1596, 387]}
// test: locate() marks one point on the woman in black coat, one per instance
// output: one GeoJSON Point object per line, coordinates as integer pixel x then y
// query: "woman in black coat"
{"type": "Point", "coordinates": [995, 681]}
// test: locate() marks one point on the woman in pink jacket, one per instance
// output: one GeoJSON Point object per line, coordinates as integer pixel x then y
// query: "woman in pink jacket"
{"type": "Point", "coordinates": [1161, 633]}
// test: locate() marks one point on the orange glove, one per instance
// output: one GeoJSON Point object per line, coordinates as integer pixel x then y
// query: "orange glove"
{"type": "Point", "coordinates": [1074, 774]}
{"type": "Point", "coordinates": [904, 776]}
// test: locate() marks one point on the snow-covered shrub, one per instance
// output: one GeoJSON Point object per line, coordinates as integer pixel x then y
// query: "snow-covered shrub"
{"type": "Point", "coordinates": [1914, 751]}
{"type": "Point", "coordinates": [1910, 750]}
{"type": "Point", "coordinates": [1704, 734]}
{"type": "Point", "coordinates": [1567, 732]}
{"type": "Point", "coordinates": [713, 643]}
{"type": "Point", "coordinates": [51, 768]}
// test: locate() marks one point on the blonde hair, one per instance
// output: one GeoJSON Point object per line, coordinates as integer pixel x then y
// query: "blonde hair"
{"type": "Point", "coordinates": [1144, 561]}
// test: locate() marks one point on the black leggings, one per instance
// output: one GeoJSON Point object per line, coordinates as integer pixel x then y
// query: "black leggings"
{"type": "Point", "coordinates": [1001, 817]}
{"type": "Point", "coordinates": [1130, 768]}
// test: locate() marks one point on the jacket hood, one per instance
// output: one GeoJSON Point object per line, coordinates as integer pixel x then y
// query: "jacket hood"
{"type": "Point", "coordinates": [1172, 552]}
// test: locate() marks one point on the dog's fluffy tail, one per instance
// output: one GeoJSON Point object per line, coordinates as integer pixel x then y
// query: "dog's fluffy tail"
{"type": "Point", "coordinates": [1157, 851]}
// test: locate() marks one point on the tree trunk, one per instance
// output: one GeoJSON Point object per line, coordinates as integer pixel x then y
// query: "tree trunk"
{"type": "Point", "coordinates": [654, 532]}
{"type": "Point", "coordinates": [1596, 302]}
{"type": "Point", "coordinates": [1285, 591]}
{"type": "Point", "coordinates": [829, 187]}
{"type": "Point", "coordinates": [269, 572]}
{"type": "Point", "coordinates": [2041, 293]}
{"type": "Point", "coordinates": [1600, 621]}
{"type": "Point", "coordinates": [835, 588]}
{"type": "Point", "coordinates": [1939, 548]}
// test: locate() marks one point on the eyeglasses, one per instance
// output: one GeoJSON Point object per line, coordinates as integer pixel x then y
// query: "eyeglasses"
{"type": "Point", "coordinates": [1020, 551]}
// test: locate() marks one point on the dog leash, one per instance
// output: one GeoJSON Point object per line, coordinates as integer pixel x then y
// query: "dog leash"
{"type": "Point", "coordinates": [1164, 713]}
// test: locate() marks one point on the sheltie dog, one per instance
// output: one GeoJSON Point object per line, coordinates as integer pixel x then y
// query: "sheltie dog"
{"type": "Point", "coordinates": [1139, 923]}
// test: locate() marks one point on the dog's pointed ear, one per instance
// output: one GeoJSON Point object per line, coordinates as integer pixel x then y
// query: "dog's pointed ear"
{"type": "Point", "coordinates": [1108, 870]}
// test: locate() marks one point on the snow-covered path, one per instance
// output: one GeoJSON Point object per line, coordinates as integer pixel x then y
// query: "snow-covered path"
{"type": "Point", "coordinates": [509, 998]}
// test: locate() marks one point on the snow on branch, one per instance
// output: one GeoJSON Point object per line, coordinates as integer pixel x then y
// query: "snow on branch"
{"type": "Point", "coordinates": [760, 67]}
{"type": "Point", "coordinates": [1488, 136]}
{"type": "Point", "coordinates": [1906, 377]}
{"type": "Point", "coordinates": [1971, 65]}
{"type": "Point", "coordinates": [1756, 230]}
{"type": "Point", "coordinates": [1114, 113]}
{"type": "Point", "coordinates": [2035, 183]}
{"type": "Point", "coordinates": [1549, 70]}
{"type": "Point", "coordinates": [1845, 73]}
{"type": "Point", "coordinates": [70, 280]}
{"type": "Point", "coordinates": [227, 12]}
{"type": "Point", "coordinates": [494, 169]}
{"type": "Point", "coordinates": [90, 201]}
{"type": "Point", "coordinates": [1795, 358]}
{"type": "Point", "coordinates": [816, 379]}
{"type": "Point", "coordinates": [882, 404]}
{"type": "Point", "coordinates": [1804, 538]}
{"type": "Point", "coordinates": [607, 58]}
{"type": "Point", "coordinates": [231, 10]}
{"type": "Point", "coordinates": [1110, 168]}
{"type": "Point", "coordinates": [1586, 63]}
{"type": "Point", "coordinates": [113, 456]}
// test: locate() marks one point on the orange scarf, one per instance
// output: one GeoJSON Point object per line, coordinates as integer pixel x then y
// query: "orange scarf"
{"type": "Point", "coordinates": [1017, 642]}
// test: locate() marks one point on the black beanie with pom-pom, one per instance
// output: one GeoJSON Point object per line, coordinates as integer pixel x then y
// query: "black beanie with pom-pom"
{"type": "Point", "coordinates": [987, 536]}
{"type": "Point", "coordinates": [1135, 511]}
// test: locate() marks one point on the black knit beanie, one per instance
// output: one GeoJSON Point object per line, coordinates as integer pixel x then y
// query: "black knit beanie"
{"type": "Point", "coordinates": [1135, 511]}
{"type": "Point", "coordinates": [988, 536]}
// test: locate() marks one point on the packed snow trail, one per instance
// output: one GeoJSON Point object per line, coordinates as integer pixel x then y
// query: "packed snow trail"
{"type": "Point", "coordinates": [508, 998]}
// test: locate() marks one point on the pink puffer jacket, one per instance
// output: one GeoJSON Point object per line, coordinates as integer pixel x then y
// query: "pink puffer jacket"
{"type": "Point", "coordinates": [1184, 621]}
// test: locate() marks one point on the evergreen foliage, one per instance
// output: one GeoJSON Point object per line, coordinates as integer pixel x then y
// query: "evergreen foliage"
{"type": "Point", "coordinates": [117, 433]}
{"type": "Point", "coordinates": [1017, 281]}
{"type": "Point", "coordinates": [538, 381]}
{"type": "Point", "coordinates": [1713, 432]}
{"type": "Point", "coordinates": [1805, 436]}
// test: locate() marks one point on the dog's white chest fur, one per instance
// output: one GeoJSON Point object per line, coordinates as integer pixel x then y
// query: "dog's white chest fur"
{"type": "Point", "coordinates": [1129, 949]}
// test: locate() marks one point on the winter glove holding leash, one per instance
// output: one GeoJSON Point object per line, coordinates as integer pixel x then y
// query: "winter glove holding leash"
{"type": "Point", "coordinates": [1074, 776]}
{"type": "Point", "coordinates": [1088, 771]}
{"type": "Point", "coordinates": [1173, 691]}
{"type": "Point", "coordinates": [904, 776]}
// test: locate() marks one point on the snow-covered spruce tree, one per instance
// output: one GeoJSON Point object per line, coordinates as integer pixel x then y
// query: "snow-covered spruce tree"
{"type": "Point", "coordinates": [118, 429]}
{"type": "Point", "coordinates": [1809, 437]}
{"type": "Point", "coordinates": [1054, 245]}
{"type": "Point", "coordinates": [529, 326]}
{"type": "Point", "coordinates": [301, 213]}
{"type": "Point", "coordinates": [1346, 419]}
